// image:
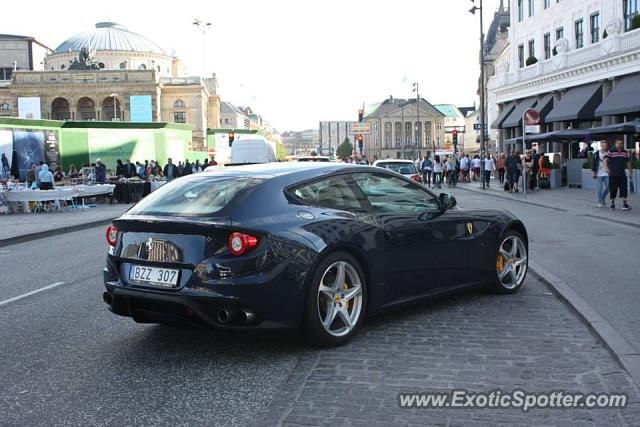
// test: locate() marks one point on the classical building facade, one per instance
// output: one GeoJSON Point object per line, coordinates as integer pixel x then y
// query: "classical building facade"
{"type": "Point", "coordinates": [577, 62]}
{"type": "Point", "coordinates": [111, 73]}
{"type": "Point", "coordinates": [332, 133]}
{"type": "Point", "coordinates": [404, 128]}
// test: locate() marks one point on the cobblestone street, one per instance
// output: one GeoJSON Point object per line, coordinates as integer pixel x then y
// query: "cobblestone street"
{"type": "Point", "coordinates": [475, 341]}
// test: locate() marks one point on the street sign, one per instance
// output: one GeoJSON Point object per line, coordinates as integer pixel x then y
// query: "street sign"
{"type": "Point", "coordinates": [478, 126]}
{"type": "Point", "coordinates": [531, 117]}
{"type": "Point", "coordinates": [529, 129]}
{"type": "Point", "coordinates": [358, 128]}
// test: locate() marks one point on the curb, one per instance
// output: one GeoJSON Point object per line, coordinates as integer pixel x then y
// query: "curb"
{"type": "Point", "coordinates": [541, 205]}
{"type": "Point", "coordinates": [622, 349]}
{"type": "Point", "coordinates": [53, 232]}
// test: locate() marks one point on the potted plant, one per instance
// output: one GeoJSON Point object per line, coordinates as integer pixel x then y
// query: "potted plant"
{"type": "Point", "coordinates": [605, 35]}
{"type": "Point", "coordinates": [635, 22]}
{"type": "Point", "coordinates": [531, 60]}
{"type": "Point", "coordinates": [587, 174]}
{"type": "Point", "coordinates": [554, 51]}
{"type": "Point", "coordinates": [556, 176]}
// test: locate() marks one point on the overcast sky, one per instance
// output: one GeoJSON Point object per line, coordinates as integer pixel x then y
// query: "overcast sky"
{"type": "Point", "coordinates": [296, 62]}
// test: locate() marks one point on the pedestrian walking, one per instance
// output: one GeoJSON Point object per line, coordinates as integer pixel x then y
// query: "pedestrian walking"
{"type": "Point", "coordinates": [501, 168]}
{"type": "Point", "coordinates": [170, 170]}
{"type": "Point", "coordinates": [616, 162]}
{"type": "Point", "coordinates": [6, 169]}
{"type": "Point", "coordinates": [528, 170]}
{"type": "Point", "coordinates": [475, 165]}
{"type": "Point", "coordinates": [536, 168]}
{"type": "Point", "coordinates": [511, 164]}
{"type": "Point", "coordinates": [437, 172]}
{"type": "Point", "coordinates": [427, 167]}
{"type": "Point", "coordinates": [464, 168]}
{"type": "Point", "coordinates": [489, 168]}
{"type": "Point", "coordinates": [600, 174]}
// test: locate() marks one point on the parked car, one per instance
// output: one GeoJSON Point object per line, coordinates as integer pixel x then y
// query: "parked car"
{"type": "Point", "coordinates": [404, 167]}
{"type": "Point", "coordinates": [251, 150]}
{"type": "Point", "coordinates": [317, 246]}
{"type": "Point", "coordinates": [313, 159]}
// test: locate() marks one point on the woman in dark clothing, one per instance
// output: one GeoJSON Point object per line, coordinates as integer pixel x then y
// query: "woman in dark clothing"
{"type": "Point", "coordinates": [513, 171]}
{"type": "Point", "coordinates": [121, 170]}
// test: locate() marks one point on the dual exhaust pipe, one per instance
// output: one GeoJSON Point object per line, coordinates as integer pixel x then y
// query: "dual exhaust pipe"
{"type": "Point", "coordinates": [242, 316]}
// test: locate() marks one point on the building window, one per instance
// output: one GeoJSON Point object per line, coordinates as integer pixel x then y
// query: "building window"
{"type": "Point", "coordinates": [122, 65]}
{"type": "Point", "coordinates": [579, 34]}
{"type": "Point", "coordinates": [180, 117]}
{"type": "Point", "coordinates": [520, 10]}
{"type": "Point", "coordinates": [532, 49]}
{"type": "Point", "coordinates": [407, 133]}
{"type": "Point", "coordinates": [595, 28]}
{"type": "Point", "coordinates": [531, 8]}
{"type": "Point", "coordinates": [62, 67]}
{"type": "Point", "coordinates": [547, 46]}
{"type": "Point", "coordinates": [630, 11]}
{"type": "Point", "coordinates": [101, 65]}
{"type": "Point", "coordinates": [227, 121]}
{"type": "Point", "coordinates": [521, 56]}
{"type": "Point", "coordinates": [559, 33]}
{"type": "Point", "coordinates": [4, 107]}
{"type": "Point", "coordinates": [547, 4]}
{"type": "Point", "coordinates": [142, 67]}
{"type": "Point", "coordinates": [179, 104]}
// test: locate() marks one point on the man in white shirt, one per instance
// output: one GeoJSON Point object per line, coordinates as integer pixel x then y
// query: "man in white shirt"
{"type": "Point", "coordinates": [475, 165]}
{"type": "Point", "coordinates": [489, 168]}
{"type": "Point", "coordinates": [600, 173]}
{"type": "Point", "coordinates": [464, 167]}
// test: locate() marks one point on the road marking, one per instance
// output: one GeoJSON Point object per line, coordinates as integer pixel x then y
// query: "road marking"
{"type": "Point", "coordinates": [28, 294]}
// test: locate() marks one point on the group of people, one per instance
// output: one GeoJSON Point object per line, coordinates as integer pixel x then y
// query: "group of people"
{"type": "Point", "coordinates": [151, 169]}
{"type": "Point", "coordinates": [508, 170]}
{"type": "Point", "coordinates": [609, 167]}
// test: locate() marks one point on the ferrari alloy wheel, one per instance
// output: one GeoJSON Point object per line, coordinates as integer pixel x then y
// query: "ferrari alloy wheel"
{"type": "Point", "coordinates": [336, 300]}
{"type": "Point", "coordinates": [512, 263]}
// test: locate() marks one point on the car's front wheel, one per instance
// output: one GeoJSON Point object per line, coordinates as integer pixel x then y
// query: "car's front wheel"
{"type": "Point", "coordinates": [512, 263]}
{"type": "Point", "coordinates": [336, 300]}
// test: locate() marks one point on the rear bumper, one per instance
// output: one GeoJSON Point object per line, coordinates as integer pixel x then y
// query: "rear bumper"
{"type": "Point", "coordinates": [151, 307]}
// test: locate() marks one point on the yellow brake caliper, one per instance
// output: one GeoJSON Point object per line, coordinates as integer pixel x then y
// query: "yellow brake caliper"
{"type": "Point", "coordinates": [500, 263]}
{"type": "Point", "coordinates": [345, 287]}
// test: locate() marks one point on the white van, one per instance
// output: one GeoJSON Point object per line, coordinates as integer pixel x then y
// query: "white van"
{"type": "Point", "coordinates": [252, 149]}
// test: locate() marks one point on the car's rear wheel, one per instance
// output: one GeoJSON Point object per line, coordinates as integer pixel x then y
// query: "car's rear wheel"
{"type": "Point", "coordinates": [512, 263]}
{"type": "Point", "coordinates": [336, 300]}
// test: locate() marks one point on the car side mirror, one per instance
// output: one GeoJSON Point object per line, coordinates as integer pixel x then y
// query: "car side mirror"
{"type": "Point", "coordinates": [447, 201]}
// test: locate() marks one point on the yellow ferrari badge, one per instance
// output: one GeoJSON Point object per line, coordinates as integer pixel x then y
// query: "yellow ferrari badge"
{"type": "Point", "coordinates": [470, 228]}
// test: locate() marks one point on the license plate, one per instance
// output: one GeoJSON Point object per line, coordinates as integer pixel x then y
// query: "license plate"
{"type": "Point", "coordinates": [166, 277]}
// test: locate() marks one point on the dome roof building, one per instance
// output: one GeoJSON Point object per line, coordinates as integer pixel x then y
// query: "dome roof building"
{"type": "Point", "coordinates": [114, 47]}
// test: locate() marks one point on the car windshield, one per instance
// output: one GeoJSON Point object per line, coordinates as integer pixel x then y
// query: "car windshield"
{"type": "Point", "coordinates": [404, 168]}
{"type": "Point", "coordinates": [194, 197]}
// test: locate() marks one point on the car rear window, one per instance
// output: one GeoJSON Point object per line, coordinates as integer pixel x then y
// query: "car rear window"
{"type": "Point", "coordinates": [400, 167]}
{"type": "Point", "coordinates": [195, 197]}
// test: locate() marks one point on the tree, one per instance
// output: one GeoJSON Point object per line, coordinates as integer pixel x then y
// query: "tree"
{"type": "Point", "coordinates": [345, 149]}
{"type": "Point", "coordinates": [281, 152]}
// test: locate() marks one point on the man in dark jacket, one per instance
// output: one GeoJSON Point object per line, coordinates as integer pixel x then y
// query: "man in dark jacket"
{"type": "Point", "coordinates": [511, 165]}
{"type": "Point", "coordinates": [616, 162]}
{"type": "Point", "coordinates": [101, 172]}
{"type": "Point", "coordinates": [187, 168]}
{"type": "Point", "coordinates": [170, 170]}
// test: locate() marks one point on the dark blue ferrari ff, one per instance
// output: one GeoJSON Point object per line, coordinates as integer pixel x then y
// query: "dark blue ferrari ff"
{"type": "Point", "coordinates": [313, 245]}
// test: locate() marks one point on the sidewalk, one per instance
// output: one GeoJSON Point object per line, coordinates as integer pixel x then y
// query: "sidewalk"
{"type": "Point", "coordinates": [17, 228]}
{"type": "Point", "coordinates": [573, 200]}
{"type": "Point", "coordinates": [476, 341]}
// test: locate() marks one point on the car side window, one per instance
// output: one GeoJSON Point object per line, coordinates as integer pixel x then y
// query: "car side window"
{"type": "Point", "coordinates": [335, 192]}
{"type": "Point", "coordinates": [388, 194]}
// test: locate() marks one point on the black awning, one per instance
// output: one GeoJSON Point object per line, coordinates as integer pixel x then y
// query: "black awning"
{"type": "Point", "coordinates": [624, 98]}
{"type": "Point", "coordinates": [628, 128]}
{"type": "Point", "coordinates": [578, 103]}
{"type": "Point", "coordinates": [515, 118]}
{"type": "Point", "coordinates": [560, 135]}
{"type": "Point", "coordinates": [506, 110]}
{"type": "Point", "coordinates": [544, 107]}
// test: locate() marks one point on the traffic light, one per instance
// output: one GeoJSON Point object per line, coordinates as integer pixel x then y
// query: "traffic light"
{"type": "Point", "coordinates": [232, 137]}
{"type": "Point", "coordinates": [455, 137]}
{"type": "Point", "coordinates": [360, 115]}
{"type": "Point", "coordinates": [360, 140]}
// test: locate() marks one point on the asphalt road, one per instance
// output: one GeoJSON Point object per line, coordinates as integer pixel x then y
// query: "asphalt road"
{"type": "Point", "coordinates": [65, 360]}
{"type": "Point", "coordinates": [597, 258]}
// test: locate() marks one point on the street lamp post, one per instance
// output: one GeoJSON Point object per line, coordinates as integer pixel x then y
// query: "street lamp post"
{"type": "Point", "coordinates": [204, 27]}
{"type": "Point", "coordinates": [115, 113]}
{"type": "Point", "coordinates": [482, 90]}
{"type": "Point", "coordinates": [416, 89]}
{"type": "Point", "coordinates": [402, 129]}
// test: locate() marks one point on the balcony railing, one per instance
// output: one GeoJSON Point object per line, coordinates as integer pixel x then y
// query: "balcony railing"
{"type": "Point", "coordinates": [573, 58]}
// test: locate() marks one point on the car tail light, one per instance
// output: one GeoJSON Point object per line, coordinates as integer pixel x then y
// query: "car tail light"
{"type": "Point", "coordinates": [416, 178]}
{"type": "Point", "coordinates": [239, 243]}
{"type": "Point", "coordinates": [112, 235]}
